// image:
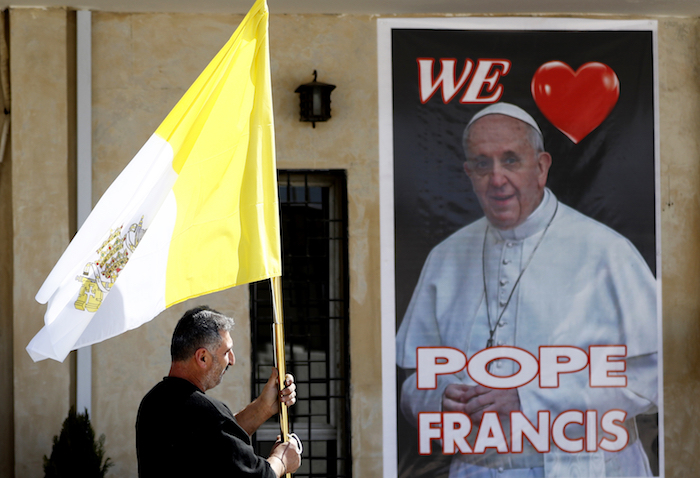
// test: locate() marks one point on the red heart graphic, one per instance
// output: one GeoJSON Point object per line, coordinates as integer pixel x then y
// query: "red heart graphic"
{"type": "Point", "coordinates": [575, 102]}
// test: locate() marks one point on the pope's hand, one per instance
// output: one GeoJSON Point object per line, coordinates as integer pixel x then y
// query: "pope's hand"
{"type": "Point", "coordinates": [475, 400]}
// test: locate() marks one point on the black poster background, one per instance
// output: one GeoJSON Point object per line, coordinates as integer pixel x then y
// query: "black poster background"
{"type": "Point", "coordinates": [609, 175]}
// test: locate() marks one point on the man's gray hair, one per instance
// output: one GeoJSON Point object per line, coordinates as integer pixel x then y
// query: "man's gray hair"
{"type": "Point", "coordinates": [198, 327]}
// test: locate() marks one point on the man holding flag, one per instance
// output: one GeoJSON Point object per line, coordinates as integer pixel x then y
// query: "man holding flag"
{"type": "Point", "coordinates": [194, 212]}
{"type": "Point", "coordinates": [180, 431]}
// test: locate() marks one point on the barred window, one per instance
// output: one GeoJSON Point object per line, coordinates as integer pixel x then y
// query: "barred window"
{"type": "Point", "coordinates": [315, 293]}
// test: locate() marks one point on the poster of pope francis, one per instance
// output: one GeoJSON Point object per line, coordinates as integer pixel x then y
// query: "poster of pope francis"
{"type": "Point", "coordinates": [520, 293]}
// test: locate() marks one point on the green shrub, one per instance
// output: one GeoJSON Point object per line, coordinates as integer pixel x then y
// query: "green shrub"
{"type": "Point", "coordinates": [76, 454]}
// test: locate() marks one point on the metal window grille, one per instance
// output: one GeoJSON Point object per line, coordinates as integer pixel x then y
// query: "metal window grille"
{"type": "Point", "coordinates": [315, 293]}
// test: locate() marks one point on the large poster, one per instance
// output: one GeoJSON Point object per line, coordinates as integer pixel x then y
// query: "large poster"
{"type": "Point", "coordinates": [519, 205]}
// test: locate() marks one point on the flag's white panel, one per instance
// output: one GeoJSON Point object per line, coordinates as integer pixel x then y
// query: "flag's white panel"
{"type": "Point", "coordinates": [80, 282]}
{"type": "Point", "coordinates": [151, 168]}
{"type": "Point", "coordinates": [127, 307]}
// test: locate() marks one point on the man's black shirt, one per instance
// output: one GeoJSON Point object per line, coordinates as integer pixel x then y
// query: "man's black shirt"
{"type": "Point", "coordinates": [181, 432]}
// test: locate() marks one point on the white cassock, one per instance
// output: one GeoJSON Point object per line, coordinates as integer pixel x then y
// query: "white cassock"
{"type": "Point", "coordinates": [585, 285]}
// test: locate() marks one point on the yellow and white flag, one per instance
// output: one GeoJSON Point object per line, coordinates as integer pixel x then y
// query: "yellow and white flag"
{"type": "Point", "coordinates": [194, 212]}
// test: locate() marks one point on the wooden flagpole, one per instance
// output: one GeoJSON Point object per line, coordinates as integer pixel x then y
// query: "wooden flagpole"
{"type": "Point", "coordinates": [280, 363]}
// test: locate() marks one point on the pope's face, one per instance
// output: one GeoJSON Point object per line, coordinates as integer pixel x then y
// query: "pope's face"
{"type": "Point", "coordinates": [507, 174]}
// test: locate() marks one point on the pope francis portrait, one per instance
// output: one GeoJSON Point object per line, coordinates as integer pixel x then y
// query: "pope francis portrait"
{"type": "Point", "coordinates": [533, 273]}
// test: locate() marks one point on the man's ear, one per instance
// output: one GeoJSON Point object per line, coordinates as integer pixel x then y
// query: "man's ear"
{"type": "Point", "coordinates": [466, 169]}
{"type": "Point", "coordinates": [544, 162]}
{"type": "Point", "coordinates": [202, 357]}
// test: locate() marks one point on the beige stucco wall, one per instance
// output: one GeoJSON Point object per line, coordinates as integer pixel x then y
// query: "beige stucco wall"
{"type": "Point", "coordinates": [41, 159]}
{"type": "Point", "coordinates": [142, 63]}
{"type": "Point", "coordinates": [679, 91]}
{"type": "Point", "coordinates": [6, 273]}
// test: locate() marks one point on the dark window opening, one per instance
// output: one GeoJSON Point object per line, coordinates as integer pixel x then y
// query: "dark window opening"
{"type": "Point", "coordinates": [315, 294]}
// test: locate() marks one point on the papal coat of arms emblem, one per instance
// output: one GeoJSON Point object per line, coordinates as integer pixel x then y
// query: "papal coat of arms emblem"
{"type": "Point", "coordinates": [99, 276]}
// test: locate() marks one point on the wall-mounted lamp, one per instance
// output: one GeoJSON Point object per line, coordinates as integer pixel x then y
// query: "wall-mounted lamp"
{"type": "Point", "coordinates": [315, 101]}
